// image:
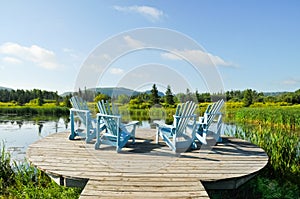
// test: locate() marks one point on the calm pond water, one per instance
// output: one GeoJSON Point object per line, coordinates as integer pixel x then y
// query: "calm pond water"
{"type": "Point", "coordinates": [18, 134]}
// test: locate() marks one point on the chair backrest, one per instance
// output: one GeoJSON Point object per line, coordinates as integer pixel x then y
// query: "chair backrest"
{"type": "Point", "coordinates": [79, 104]}
{"type": "Point", "coordinates": [110, 117]}
{"type": "Point", "coordinates": [212, 110]}
{"type": "Point", "coordinates": [184, 113]}
{"type": "Point", "coordinates": [106, 108]}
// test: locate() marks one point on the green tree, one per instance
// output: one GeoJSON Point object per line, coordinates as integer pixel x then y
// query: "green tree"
{"type": "Point", "coordinates": [203, 97]}
{"type": "Point", "coordinates": [154, 95]}
{"type": "Point", "coordinates": [248, 97]}
{"type": "Point", "coordinates": [100, 97]}
{"type": "Point", "coordinates": [67, 101]}
{"type": "Point", "coordinates": [169, 97]}
{"type": "Point", "coordinates": [123, 99]}
{"type": "Point", "coordinates": [40, 98]}
{"type": "Point", "coordinates": [56, 99]}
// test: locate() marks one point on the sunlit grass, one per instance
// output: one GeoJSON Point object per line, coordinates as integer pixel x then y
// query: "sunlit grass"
{"type": "Point", "coordinates": [24, 181]}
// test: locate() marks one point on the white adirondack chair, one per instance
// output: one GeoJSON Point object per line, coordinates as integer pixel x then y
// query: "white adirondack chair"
{"type": "Point", "coordinates": [180, 135]}
{"type": "Point", "coordinates": [117, 133]}
{"type": "Point", "coordinates": [212, 115]}
{"type": "Point", "coordinates": [80, 110]}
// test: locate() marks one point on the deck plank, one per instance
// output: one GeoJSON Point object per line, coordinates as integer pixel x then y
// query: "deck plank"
{"type": "Point", "coordinates": [145, 169]}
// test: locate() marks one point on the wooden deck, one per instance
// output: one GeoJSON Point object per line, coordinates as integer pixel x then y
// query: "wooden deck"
{"type": "Point", "coordinates": [146, 169]}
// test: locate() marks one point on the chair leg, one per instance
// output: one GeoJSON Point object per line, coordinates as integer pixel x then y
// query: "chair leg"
{"type": "Point", "coordinates": [72, 136]}
{"type": "Point", "coordinates": [118, 149]}
{"type": "Point", "coordinates": [97, 144]}
{"type": "Point", "coordinates": [157, 136]}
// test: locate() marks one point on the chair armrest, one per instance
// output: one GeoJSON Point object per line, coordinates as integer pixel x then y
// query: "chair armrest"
{"type": "Point", "coordinates": [79, 110]}
{"type": "Point", "coordinates": [131, 123]}
{"type": "Point", "coordinates": [105, 115]}
{"type": "Point", "coordinates": [217, 113]}
{"type": "Point", "coordinates": [161, 124]}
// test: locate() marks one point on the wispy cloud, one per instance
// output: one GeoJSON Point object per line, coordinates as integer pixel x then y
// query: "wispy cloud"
{"type": "Point", "coordinates": [11, 60]}
{"type": "Point", "coordinates": [196, 56]}
{"type": "Point", "coordinates": [40, 56]}
{"type": "Point", "coordinates": [151, 13]}
{"type": "Point", "coordinates": [291, 81]}
{"type": "Point", "coordinates": [116, 71]}
{"type": "Point", "coordinates": [133, 43]}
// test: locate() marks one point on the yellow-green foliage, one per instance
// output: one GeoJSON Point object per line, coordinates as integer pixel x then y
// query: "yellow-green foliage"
{"type": "Point", "coordinates": [7, 104]}
{"type": "Point", "coordinates": [287, 117]}
{"type": "Point", "coordinates": [270, 104]}
{"type": "Point", "coordinates": [234, 105]}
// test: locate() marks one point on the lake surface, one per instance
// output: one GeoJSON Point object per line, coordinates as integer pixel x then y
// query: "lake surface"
{"type": "Point", "coordinates": [18, 134]}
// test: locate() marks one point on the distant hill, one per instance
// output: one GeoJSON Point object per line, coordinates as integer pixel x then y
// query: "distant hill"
{"type": "Point", "coordinates": [160, 94]}
{"type": "Point", "coordinates": [5, 88]}
{"type": "Point", "coordinates": [273, 93]}
{"type": "Point", "coordinates": [116, 91]}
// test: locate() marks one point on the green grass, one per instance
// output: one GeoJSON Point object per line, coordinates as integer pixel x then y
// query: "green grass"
{"type": "Point", "coordinates": [47, 109]}
{"type": "Point", "coordinates": [284, 117]}
{"type": "Point", "coordinates": [24, 181]}
{"type": "Point", "coordinates": [277, 130]}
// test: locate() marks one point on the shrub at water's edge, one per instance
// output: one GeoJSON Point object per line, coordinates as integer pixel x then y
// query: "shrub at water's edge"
{"type": "Point", "coordinates": [25, 181]}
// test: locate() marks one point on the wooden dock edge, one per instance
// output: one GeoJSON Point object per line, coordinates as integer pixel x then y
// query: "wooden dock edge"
{"type": "Point", "coordinates": [231, 183]}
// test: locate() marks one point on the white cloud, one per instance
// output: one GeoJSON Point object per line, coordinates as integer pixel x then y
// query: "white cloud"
{"type": "Point", "coordinates": [11, 60]}
{"type": "Point", "coordinates": [219, 61]}
{"type": "Point", "coordinates": [116, 71]}
{"type": "Point", "coordinates": [196, 56]}
{"type": "Point", "coordinates": [133, 43]}
{"type": "Point", "coordinates": [291, 81]}
{"type": "Point", "coordinates": [40, 56]}
{"type": "Point", "coordinates": [151, 13]}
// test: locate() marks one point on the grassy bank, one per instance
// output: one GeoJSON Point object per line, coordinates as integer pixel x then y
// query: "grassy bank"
{"type": "Point", "coordinates": [31, 109]}
{"type": "Point", "coordinates": [277, 130]}
{"type": "Point", "coordinates": [24, 181]}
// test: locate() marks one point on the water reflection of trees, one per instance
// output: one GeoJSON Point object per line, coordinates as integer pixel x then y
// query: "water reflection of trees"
{"type": "Point", "coordinates": [20, 123]}
{"type": "Point", "coordinates": [40, 127]}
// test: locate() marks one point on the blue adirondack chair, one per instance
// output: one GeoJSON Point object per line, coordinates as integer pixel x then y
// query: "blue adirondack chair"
{"type": "Point", "coordinates": [80, 110]}
{"type": "Point", "coordinates": [180, 135]}
{"type": "Point", "coordinates": [212, 116]}
{"type": "Point", "coordinates": [117, 134]}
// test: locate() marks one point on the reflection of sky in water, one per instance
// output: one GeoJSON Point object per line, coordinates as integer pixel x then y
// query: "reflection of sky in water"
{"type": "Point", "coordinates": [17, 136]}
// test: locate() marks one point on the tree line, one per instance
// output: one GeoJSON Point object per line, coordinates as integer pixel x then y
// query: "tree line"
{"type": "Point", "coordinates": [250, 96]}
{"type": "Point", "coordinates": [22, 97]}
{"type": "Point", "coordinates": [151, 98]}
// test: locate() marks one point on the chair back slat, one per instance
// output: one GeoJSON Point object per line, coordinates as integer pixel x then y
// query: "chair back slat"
{"type": "Point", "coordinates": [112, 123]}
{"type": "Point", "coordinates": [215, 109]}
{"type": "Point", "coordinates": [184, 115]}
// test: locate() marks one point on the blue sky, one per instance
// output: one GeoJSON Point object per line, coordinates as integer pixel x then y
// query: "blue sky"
{"type": "Point", "coordinates": [254, 44]}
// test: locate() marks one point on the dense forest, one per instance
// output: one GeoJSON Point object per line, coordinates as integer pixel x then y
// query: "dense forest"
{"type": "Point", "coordinates": [21, 97]}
